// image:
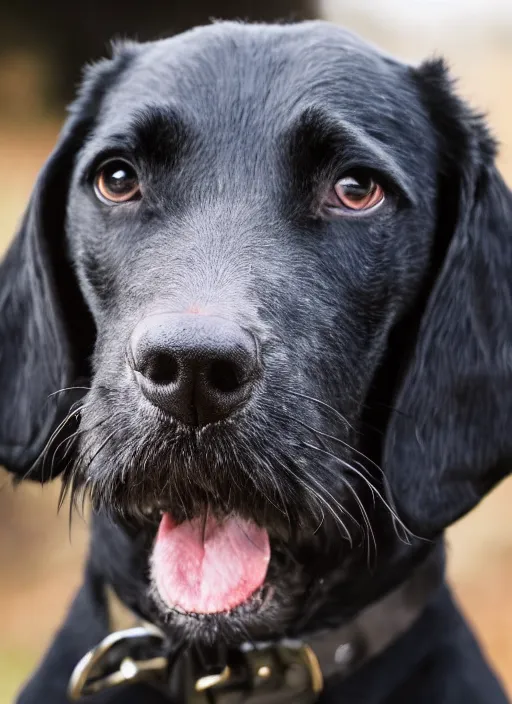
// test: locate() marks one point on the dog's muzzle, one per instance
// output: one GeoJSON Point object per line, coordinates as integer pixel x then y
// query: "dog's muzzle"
{"type": "Point", "coordinates": [286, 672]}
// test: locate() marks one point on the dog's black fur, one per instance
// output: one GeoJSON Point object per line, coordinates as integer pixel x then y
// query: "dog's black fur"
{"type": "Point", "coordinates": [383, 413]}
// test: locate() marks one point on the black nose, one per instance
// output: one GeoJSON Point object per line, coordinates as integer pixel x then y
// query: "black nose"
{"type": "Point", "coordinates": [197, 368]}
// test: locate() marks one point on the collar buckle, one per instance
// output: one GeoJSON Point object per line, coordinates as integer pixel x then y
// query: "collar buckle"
{"type": "Point", "coordinates": [287, 672]}
{"type": "Point", "coordinates": [107, 665]}
{"type": "Point", "coordinates": [215, 680]}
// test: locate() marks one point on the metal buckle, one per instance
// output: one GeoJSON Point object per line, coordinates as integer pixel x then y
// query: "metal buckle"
{"type": "Point", "coordinates": [289, 664]}
{"type": "Point", "coordinates": [83, 682]}
{"type": "Point", "coordinates": [290, 667]}
{"type": "Point", "coordinates": [209, 681]}
{"type": "Point", "coordinates": [310, 659]}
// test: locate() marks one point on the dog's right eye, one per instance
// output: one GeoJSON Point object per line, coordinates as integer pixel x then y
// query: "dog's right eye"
{"type": "Point", "coordinates": [116, 181]}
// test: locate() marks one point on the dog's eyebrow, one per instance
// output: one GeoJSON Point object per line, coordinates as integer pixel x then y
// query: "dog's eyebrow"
{"type": "Point", "coordinates": [158, 133]}
{"type": "Point", "coordinates": [333, 143]}
{"type": "Point", "coordinates": [156, 130]}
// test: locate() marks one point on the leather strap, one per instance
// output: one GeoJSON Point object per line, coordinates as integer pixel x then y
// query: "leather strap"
{"type": "Point", "coordinates": [375, 628]}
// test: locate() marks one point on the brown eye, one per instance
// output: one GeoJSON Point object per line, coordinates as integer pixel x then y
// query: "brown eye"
{"type": "Point", "coordinates": [116, 182]}
{"type": "Point", "coordinates": [355, 192]}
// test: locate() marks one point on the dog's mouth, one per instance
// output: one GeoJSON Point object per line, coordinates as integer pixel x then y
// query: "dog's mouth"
{"type": "Point", "coordinates": [209, 564]}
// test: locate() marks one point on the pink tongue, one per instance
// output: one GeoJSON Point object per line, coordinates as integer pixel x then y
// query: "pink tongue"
{"type": "Point", "coordinates": [209, 568]}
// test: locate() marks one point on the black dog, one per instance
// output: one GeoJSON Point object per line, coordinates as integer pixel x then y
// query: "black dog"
{"type": "Point", "coordinates": [260, 312]}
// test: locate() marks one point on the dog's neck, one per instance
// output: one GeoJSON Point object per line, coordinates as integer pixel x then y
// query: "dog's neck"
{"type": "Point", "coordinates": [290, 671]}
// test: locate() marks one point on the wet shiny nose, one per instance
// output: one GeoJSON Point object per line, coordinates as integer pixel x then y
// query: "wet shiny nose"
{"type": "Point", "coordinates": [197, 368]}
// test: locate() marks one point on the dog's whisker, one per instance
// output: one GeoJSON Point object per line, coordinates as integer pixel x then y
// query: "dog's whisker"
{"type": "Point", "coordinates": [340, 441]}
{"type": "Point", "coordinates": [69, 388]}
{"type": "Point", "coordinates": [323, 404]}
{"type": "Point", "coordinates": [364, 513]}
{"type": "Point", "coordinates": [322, 435]}
{"type": "Point", "coordinates": [317, 494]}
{"type": "Point", "coordinates": [342, 509]}
{"type": "Point", "coordinates": [322, 520]}
{"type": "Point", "coordinates": [74, 480]}
{"type": "Point", "coordinates": [71, 438]}
{"type": "Point", "coordinates": [90, 460]}
{"type": "Point", "coordinates": [73, 414]}
{"type": "Point", "coordinates": [372, 488]}
{"type": "Point", "coordinates": [79, 433]}
{"type": "Point", "coordinates": [268, 467]}
{"type": "Point", "coordinates": [362, 509]}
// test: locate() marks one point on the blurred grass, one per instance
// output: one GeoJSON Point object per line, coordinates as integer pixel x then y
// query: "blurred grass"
{"type": "Point", "coordinates": [40, 565]}
{"type": "Point", "coordinates": [40, 562]}
{"type": "Point", "coordinates": [14, 665]}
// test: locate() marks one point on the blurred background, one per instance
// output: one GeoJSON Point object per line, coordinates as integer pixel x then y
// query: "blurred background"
{"type": "Point", "coordinates": [42, 46]}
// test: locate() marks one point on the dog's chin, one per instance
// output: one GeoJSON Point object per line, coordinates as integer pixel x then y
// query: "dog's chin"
{"type": "Point", "coordinates": [253, 617]}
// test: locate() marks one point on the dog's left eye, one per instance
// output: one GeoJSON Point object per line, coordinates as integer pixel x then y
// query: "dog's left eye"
{"type": "Point", "coordinates": [116, 181]}
{"type": "Point", "coordinates": [356, 193]}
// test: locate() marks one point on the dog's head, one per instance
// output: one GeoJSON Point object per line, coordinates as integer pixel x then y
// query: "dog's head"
{"type": "Point", "coordinates": [260, 307]}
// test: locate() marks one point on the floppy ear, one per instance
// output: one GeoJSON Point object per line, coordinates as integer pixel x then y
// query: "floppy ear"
{"type": "Point", "coordinates": [46, 331]}
{"type": "Point", "coordinates": [450, 440]}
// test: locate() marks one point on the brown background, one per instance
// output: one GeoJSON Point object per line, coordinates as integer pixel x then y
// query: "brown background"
{"type": "Point", "coordinates": [40, 560]}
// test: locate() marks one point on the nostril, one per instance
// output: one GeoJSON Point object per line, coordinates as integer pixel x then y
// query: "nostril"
{"type": "Point", "coordinates": [224, 376]}
{"type": "Point", "coordinates": [197, 369]}
{"type": "Point", "coordinates": [162, 368]}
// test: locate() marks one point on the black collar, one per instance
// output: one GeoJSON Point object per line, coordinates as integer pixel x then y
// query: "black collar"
{"type": "Point", "coordinates": [286, 672]}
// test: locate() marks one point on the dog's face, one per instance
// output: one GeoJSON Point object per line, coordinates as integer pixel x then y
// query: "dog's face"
{"type": "Point", "coordinates": [268, 241]}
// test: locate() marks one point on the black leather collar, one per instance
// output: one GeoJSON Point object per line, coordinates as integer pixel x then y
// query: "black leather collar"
{"type": "Point", "coordinates": [286, 672]}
